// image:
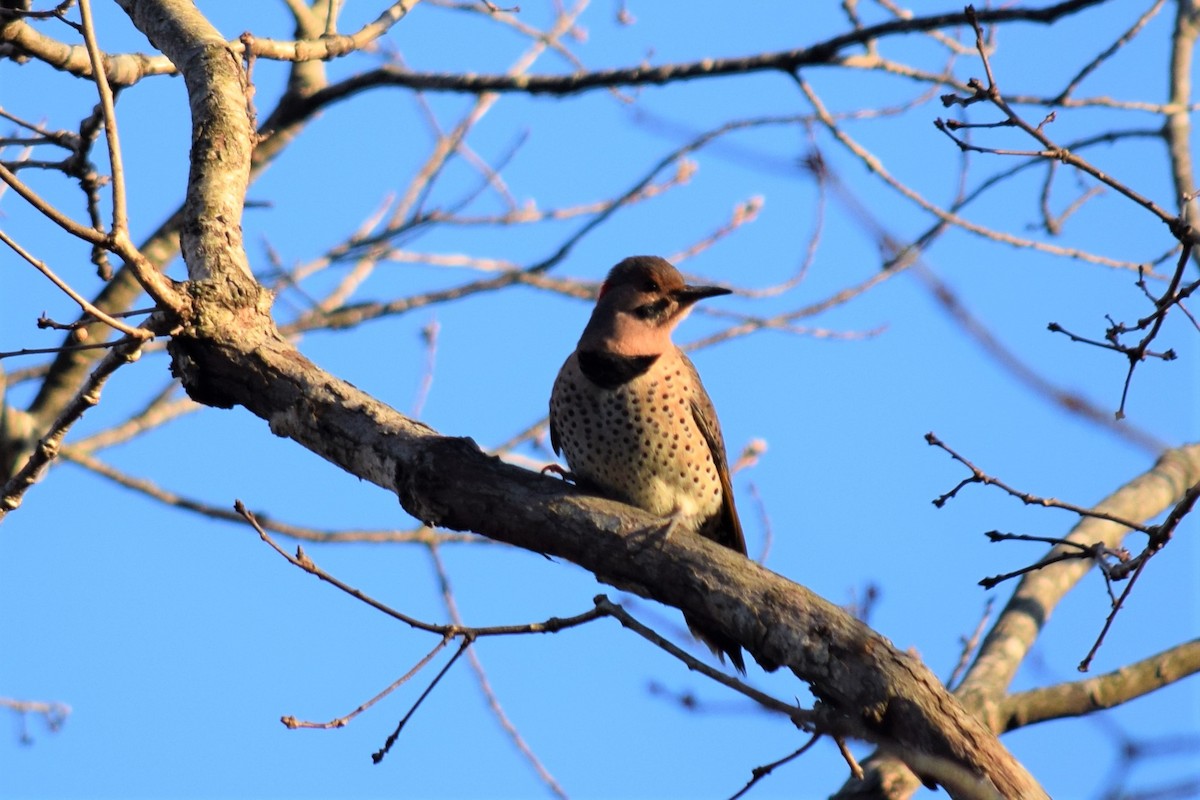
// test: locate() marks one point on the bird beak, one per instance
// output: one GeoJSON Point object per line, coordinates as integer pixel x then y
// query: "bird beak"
{"type": "Point", "coordinates": [690, 294]}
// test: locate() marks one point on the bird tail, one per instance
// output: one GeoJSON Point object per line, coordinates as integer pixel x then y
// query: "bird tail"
{"type": "Point", "coordinates": [719, 643]}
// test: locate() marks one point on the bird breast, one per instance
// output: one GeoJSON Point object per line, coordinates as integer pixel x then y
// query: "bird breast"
{"type": "Point", "coordinates": [638, 441]}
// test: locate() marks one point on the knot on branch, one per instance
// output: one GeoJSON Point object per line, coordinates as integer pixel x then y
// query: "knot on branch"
{"type": "Point", "coordinates": [421, 482]}
{"type": "Point", "coordinates": [191, 362]}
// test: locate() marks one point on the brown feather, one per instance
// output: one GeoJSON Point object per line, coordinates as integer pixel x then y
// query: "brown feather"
{"type": "Point", "coordinates": [724, 528]}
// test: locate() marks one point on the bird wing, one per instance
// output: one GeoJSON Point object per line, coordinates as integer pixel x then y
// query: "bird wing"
{"type": "Point", "coordinates": [729, 532]}
{"type": "Point", "coordinates": [555, 442]}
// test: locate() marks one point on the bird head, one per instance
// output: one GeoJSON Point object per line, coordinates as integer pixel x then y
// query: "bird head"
{"type": "Point", "coordinates": [640, 303]}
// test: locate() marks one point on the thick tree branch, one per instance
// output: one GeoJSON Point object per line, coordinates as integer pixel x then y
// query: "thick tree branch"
{"type": "Point", "coordinates": [280, 129]}
{"type": "Point", "coordinates": [875, 691]}
{"type": "Point", "coordinates": [122, 70]}
{"type": "Point", "coordinates": [222, 139]}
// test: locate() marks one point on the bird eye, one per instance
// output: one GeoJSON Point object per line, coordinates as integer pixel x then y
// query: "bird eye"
{"type": "Point", "coordinates": [652, 311]}
{"type": "Point", "coordinates": [650, 286]}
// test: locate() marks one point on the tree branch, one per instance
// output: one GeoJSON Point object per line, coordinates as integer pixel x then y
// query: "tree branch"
{"type": "Point", "coordinates": [1101, 692]}
{"type": "Point", "coordinates": [878, 692]}
{"type": "Point", "coordinates": [1027, 611]}
{"type": "Point", "coordinates": [823, 53]}
{"type": "Point", "coordinates": [1038, 593]}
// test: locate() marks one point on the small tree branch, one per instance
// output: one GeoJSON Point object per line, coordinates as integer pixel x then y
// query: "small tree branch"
{"type": "Point", "coordinates": [120, 220]}
{"type": "Point", "coordinates": [1103, 691]}
{"type": "Point", "coordinates": [826, 52]}
{"type": "Point", "coordinates": [1038, 593]}
{"type": "Point", "coordinates": [88, 308]}
{"type": "Point", "coordinates": [342, 721]}
{"type": "Point", "coordinates": [48, 446]}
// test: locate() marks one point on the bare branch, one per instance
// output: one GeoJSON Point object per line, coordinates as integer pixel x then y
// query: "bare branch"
{"type": "Point", "coordinates": [1103, 691]}
{"type": "Point", "coordinates": [301, 560]}
{"type": "Point", "coordinates": [823, 53]}
{"type": "Point", "coordinates": [485, 685]}
{"type": "Point", "coordinates": [78, 454]}
{"type": "Point", "coordinates": [876, 166]}
{"type": "Point", "coordinates": [1037, 594]}
{"type": "Point", "coordinates": [48, 446]}
{"type": "Point", "coordinates": [88, 308]}
{"type": "Point", "coordinates": [342, 721]}
{"type": "Point", "coordinates": [1179, 228]}
{"type": "Point", "coordinates": [979, 476]}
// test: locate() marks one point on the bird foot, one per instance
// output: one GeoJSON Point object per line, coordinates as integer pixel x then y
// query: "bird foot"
{"type": "Point", "coordinates": [657, 535]}
{"type": "Point", "coordinates": [675, 520]}
{"type": "Point", "coordinates": [561, 472]}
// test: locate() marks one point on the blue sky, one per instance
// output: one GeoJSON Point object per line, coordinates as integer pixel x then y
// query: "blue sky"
{"type": "Point", "coordinates": [179, 641]}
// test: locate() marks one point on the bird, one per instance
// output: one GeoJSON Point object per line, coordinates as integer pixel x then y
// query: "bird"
{"type": "Point", "coordinates": [632, 419]}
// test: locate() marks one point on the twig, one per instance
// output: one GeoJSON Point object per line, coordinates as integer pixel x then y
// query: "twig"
{"type": "Point", "coordinates": [485, 685]}
{"type": "Point", "coordinates": [764, 520]}
{"type": "Point", "coordinates": [822, 53]}
{"type": "Point", "coordinates": [856, 771]}
{"type": "Point", "coordinates": [743, 213]}
{"type": "Point", "coordinates": [1160, 534]}
{"type": "Point", "coordinates": [1172, 296]}
{"type": "Point", "coordinates": [1124, 39]}
{"type": "Point", "coordinates": [37, 351]}
{"type": "Point", "coordinates": [876, 166]}
{"type": "Point", "coordinates": [429, 337]}
{"type": "Point", "coordinates": [378, 755]}
{"type": "Point", "coordinates": [801, 717]}
{"type": "Point", "coordinates": [53, 714]}
{"type": "Point", "coordinates": [69, 225]}
{"type": "Point", "coordinates": [79, 453]}
{"type": "Point", "coordinates": [907, 257]}
{"type": "Point", "coordinates": [1069, 401]}
{"type": "Point", "coordinates": [970, 643]}
{"type": "Point", "coordinates": [123, 352]}
{"type": "Point", "coordinates": [860, 607]}
{"type": "Point", "coordinates": [1092, 552]}
{"type": "Point", "coordinates": [301, 560]}
{"type": "Point", "coordinates": [1112, 615]}
{"type": "Point", "coordinates": [341, 722]}
{"type": "Point", "coordinates": [120, 220]}
{"type": "Point", "coordinates": [88, 308]}
{"type": "Point", "coordinates": [758, 773]}
{"type": "Point", "coordinates": [1179, 227]}
{"type": "Point", "coordinates": [979, 476]}
{"type": "Point", "coordinates": [44, 322]}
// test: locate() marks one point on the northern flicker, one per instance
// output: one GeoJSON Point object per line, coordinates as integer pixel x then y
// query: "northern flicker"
{"type": "Point", "coordinates": [631, 417]}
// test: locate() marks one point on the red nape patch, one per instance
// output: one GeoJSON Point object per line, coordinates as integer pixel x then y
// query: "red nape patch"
{"type": "Point", "coordinates": [603, 289]}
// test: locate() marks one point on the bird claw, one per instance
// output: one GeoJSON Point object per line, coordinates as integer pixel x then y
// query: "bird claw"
{"type": "Point", "coordinates": [561, 472]}
{"type": "Point", "coordinates": [662, 533]}
{"type": "Point", "coordinates": [674, 520]}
